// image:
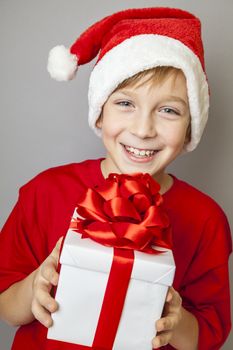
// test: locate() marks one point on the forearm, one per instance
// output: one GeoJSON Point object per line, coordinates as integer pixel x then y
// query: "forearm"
{"type": "Point", "coordinates": [185, 335]}
{"type": "Point", "coordinates": [15, 302]}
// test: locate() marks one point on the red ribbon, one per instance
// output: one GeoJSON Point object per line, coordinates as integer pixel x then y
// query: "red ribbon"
{"type": "Point", "coordinates": [114, 299]}
{"type": "Point", "coordinates": [125, 213]}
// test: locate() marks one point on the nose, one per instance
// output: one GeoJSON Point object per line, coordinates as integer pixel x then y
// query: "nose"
{"type": "Point", "coordinates": [144, 125]}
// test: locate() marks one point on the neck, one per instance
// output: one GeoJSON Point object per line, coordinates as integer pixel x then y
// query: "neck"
{"type": "Point", "coordinates": [165, 181]}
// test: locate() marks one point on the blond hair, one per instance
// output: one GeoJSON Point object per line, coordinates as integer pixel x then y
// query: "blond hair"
{"type": "Point", "coordinates": [155, 75]}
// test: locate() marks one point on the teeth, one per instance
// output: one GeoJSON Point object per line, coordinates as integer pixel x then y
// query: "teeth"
{"type": "Point", "coordinates": [138, 152]}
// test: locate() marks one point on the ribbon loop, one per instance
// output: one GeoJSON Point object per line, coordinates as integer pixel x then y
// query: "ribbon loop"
{"type": "Point", "coordinates": [126, 212]}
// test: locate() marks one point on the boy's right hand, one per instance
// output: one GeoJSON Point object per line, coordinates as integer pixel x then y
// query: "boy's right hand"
{"type": "Point", "coordinates": [45, 278]}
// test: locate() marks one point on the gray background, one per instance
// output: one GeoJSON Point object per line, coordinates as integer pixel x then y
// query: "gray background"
{"type": "Point", "coordinates": [44, 123]}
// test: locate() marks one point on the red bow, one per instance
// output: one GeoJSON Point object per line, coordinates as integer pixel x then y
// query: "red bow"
{"type": "Point", "coordinates": [125, 212]}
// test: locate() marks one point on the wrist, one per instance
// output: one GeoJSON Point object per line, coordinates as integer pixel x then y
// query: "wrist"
{"type": "Point", "coordinates": [185, 334]}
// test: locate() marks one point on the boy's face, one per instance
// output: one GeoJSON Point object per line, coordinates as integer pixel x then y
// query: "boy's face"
{"type": "Point", "coordinates": [144, 126]}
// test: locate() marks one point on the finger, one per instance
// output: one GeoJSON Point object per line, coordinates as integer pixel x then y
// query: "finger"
{"type": "Point", "coordinates": [165, 324]}
{"type": "Point", "coordinates": [44, 299]}
{"type": "Point", "coordinates": [56, 251]}
{"type": "Point", "coordinates": [49, 268]}
{"type": "Point", "coordinates": [41, 314]}
{"type": "Point", "coordinates": [49, 272]}
{"type": "Point", "coordinates": [169, 295]}
{"type": "Point", "coordinates": [173, 298]}
{"type": "Point", "coordinates": [161, 340]}
{"type": "Point", "coordinates": [176, 301]}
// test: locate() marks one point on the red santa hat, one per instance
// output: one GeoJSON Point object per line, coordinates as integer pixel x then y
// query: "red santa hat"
{"type": "Point", "coordinates": [135, 40]}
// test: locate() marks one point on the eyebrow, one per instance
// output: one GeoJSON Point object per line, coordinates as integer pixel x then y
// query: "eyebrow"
{"type": "Point", "coordinates": [176, 98]}
{"type": "Point", "coordinates": [167, 98]}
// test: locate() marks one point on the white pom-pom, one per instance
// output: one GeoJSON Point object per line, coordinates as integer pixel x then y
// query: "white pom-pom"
{"type": "Point", "coordinates": [62, 65]}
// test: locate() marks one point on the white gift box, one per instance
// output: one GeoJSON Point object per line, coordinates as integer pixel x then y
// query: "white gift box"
{"type": "Point", "coordinates": [85, 267]}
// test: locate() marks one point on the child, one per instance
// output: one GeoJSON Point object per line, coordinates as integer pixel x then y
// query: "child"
{"type": "Point", "coordinates": [149, 100]}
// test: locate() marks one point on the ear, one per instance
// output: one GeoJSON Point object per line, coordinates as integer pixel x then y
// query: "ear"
{"type": "Point", "coordinates": [99, 122]}
{"type": "Point", "coordinates": [188, 134]}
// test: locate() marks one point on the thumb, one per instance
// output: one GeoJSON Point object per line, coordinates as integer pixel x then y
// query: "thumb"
{"type": "Point", "coordinates": [170, 294]}
{"type": "Point", "coordinates": [56, 250]}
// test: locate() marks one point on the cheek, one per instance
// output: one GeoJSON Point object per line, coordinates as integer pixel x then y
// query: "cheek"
{"type": "Point", "coordinates": [111, 127]}
{"type": "Point", "coordinates": [112, 122]}
{"type": "Point", "coordinates": [175, 136]}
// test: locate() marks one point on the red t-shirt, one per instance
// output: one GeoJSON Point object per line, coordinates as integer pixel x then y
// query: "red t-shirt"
{"type": "Point", "coordinates": [201, 239]}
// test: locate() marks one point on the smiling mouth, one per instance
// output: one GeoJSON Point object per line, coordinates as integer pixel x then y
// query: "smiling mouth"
{"type": "Point", "coordinates": [139, 152]}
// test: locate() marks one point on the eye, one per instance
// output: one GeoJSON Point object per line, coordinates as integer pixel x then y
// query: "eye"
{"type": "Point", "coordinates": [169, 110]}
{"type": "Point", "coordinates": [124, 103]}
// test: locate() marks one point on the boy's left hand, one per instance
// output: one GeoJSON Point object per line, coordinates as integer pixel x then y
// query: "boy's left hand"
{"type": "Point", "coordinates": [166, 325]}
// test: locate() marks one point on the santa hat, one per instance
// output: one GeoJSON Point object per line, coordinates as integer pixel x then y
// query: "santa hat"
{"type": "Point", "coordinates": [135, 40]}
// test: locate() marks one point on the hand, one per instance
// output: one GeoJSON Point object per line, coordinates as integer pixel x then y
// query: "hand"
{"type": "Point", "coordinates": [166, 325]}
{"type": "Point", "coordinates": [45, 278]}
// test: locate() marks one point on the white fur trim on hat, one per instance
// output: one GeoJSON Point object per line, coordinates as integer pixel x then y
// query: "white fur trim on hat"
{"type": "Point", "coordinates": [62, 65]}
{"type": "Point", "coordinates": [143, 52]}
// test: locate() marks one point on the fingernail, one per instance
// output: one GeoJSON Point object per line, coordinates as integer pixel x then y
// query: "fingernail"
{"type": "Point", "coordinates": [54, 307]}
{"type": "Point", "coordinates": [54, 281]}
{"type": "Point", "coordinates": [50, 306]}
{"type": "Point", "coordinates": [48, 323]}
{"type": "Point", "coordinates": [155, 343]}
